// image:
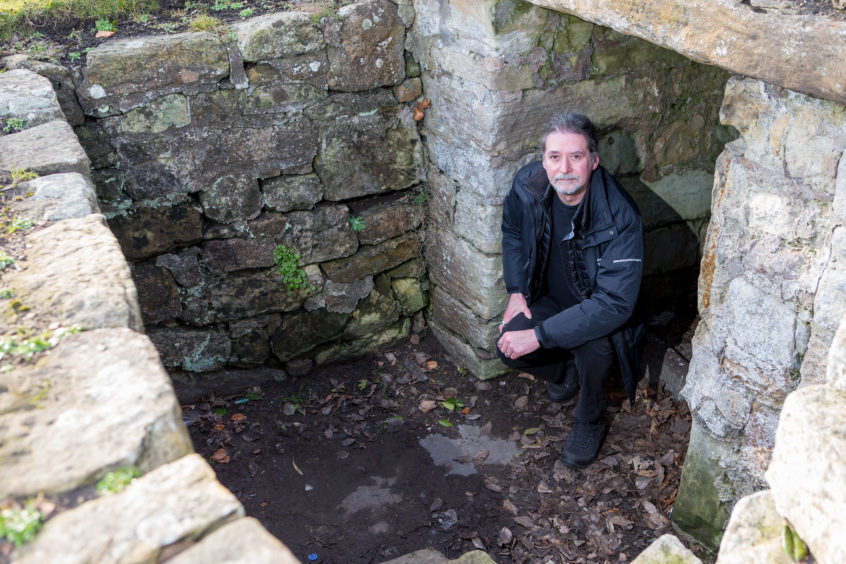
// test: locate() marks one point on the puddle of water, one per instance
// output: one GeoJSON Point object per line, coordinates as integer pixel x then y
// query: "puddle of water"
{"type": "Point", "coordinates": [371, 497]}
{"type": "Point", "coordinates": [456, 454]}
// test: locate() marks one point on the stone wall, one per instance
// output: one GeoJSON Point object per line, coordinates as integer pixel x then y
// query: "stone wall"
{"type": "Point", "coordinates": [98, 398]}
{"type": "Point", "coordinates": [506, 68]}
{"type": "Point", "coordinates": [771, 289]}
{"type": "Point", "coordinates": [287, 131]}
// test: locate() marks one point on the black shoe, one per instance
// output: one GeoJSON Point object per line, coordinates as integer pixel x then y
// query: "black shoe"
{"type": "Point", "coordinates": [583, 444]}
{"type": "Point", "coordinates": [566, 389]}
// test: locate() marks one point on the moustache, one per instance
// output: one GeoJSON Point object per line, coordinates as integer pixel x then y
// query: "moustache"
{"type": "Point", "coordinates": [565, 177]}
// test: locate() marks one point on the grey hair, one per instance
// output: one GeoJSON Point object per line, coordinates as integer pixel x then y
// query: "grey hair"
{"type": "Point", "coordinates": [571, 122]}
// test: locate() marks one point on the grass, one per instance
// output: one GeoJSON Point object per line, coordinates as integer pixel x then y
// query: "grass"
{"type": "Point", "coordinates": [17, 16]}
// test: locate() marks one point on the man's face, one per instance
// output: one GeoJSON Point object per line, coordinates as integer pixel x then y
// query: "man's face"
{"type": "Point", "coordinates": [568, 165]}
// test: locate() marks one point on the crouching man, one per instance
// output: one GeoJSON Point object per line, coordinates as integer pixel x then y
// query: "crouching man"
{"type": "Point", "coordinates": [572, 256]}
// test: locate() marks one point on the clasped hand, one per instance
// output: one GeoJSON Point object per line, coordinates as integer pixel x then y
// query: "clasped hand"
{"type": "Point", "coordinates": [515, 344]}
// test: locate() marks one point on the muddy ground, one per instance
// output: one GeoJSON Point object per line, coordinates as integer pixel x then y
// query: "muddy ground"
{"type": "Point", "coordinates": [375, 458]}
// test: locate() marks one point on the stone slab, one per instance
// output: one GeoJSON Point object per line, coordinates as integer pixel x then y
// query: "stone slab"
{"type": "Point", "coordinates": [174, 503]}
{"type": "Point", "coordinates": [99, 400]}
{"type": "Point", "coordinates": [807, 472]}
{"type": "Point", "coordinates": [802, 53]}
{"type": "Point", "coordinates": [754, 533]}
{"type": "Point", "coordinates": [45, 149]}
{"type": "Point", "coordinates": [56, 196]}
{"type": "Point", "coordinates": [432, 556]}
{"type": "Point", "coordinates": [29, 97]}
{"type": "Point", "coordinates": [84, 281]}
{"type": "Point", "coordinates": [243, 541]}
{"type": "Point", "coordinates": [666, 549]}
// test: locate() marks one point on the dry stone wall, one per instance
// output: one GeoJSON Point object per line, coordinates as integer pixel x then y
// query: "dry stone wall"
{"type": "Point", "coordinates": [287, 132]}
{"type": "Point", "coordinates": [98, 398]}
{"type": "Point", "coordinates": [506, 68]}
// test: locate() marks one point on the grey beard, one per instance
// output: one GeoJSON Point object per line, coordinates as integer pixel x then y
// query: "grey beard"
{"type": "Point", "coordinates": [566, 191]}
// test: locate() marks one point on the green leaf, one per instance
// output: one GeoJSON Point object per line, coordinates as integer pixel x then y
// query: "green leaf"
{"type": "Point", "coordinates": [220, 410]}
{"type": "Point", "coordinates": [531, 430]}
{"type": "Point", "coordinates": [444, 423]}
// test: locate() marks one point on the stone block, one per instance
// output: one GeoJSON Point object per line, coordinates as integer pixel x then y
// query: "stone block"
{"type": "Point", "coordinates": [301, 332]}
{"type": "Point", "coordinates": [157, 116]}
{"type": "Point", "coordinates": [177, 502]}
{"type": "Point", "coordinates": [59, 76]}
{"type": "Point", "coordinates": [687, 194]}
{"type": "Point", "coordinates": [368, 154]}
{"type": "Point", "coordinates": [461, 320]}
{"type": "Point", "coordinates": [237, 295]}
{"type": "Point", "coordinates": [761, 325]}
{"type": "Point", "coordinates": [466, 355]}
{"type": "Point", "coordinates": [149, 231]}
{"type": "Point", "coordinates": [158, 295]}
{"type": "Point", "coordinates": [49, 148]}
{"type": "Point", "coordinates": [337, 351]}
{"type": "Point", "coordinates": [184, 266]}
{"type": "Point", "coordinates": [101, 395]}
{"type": "Point", "coordinates": [385, 221]}
{"type": "Point", "coordinates": [466, 274]}
{"type": "Point", "coordinates": [56, 196]}
{"type": "Point", "coordinates": [373, 314]}
{"type": "Point", "coordinates": [372, 260]}
{"type": "Point", "coordinates": [84, 281]}
{"type": "Point", "coordinates": [432, 556]}
{"type": "Point", "coordinates": [410, 294]}
{"type": "Point", "coordinates": [227, 255]}
{"type": "Point", "coordinates": [700, 508]}
{"type": "Point", "coordinates": [287, 193]}
{"type": "Point", "coordinates": [478, 219]}
{"type": "Point", "coordinates": [665, 549]}
{"type": "Point", "coordinates": [807, 473]}
{"type": "Point", "coordinates": [118, 77]}
{"type": "Point", "coordinates": [343, 297]}
{"type": "Point", "coordinates": [754, 533]}
{"type": "Point", "coordinates": [232, 197]}
{"type": "Point", "coordinates": [277, 36]}
{"type": "Point", "coordinates": [366, 47]}
{"type": "Point", "coordinates": [240, 542]}
{"type": "Point", "coordinates": [26, 96]}
{"type": "Point", "coordinates": [321, 235]}
{"type": "Point", "coordinates": [192, 350]}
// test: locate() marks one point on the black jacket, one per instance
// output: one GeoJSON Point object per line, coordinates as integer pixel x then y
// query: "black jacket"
{"type": "Point", "coordinates": [604, 263]}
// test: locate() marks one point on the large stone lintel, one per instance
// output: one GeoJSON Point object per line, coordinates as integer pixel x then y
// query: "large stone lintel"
{"type": "Point", "coordinates": [802, 53]}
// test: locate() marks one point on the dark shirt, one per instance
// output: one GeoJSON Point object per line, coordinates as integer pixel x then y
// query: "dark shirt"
{"type": "Point", "coordinates": [556, 280]}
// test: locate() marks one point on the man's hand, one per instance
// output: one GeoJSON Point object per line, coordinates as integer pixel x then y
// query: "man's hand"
{"type": "Point", "coordinates": [516, 304]}
{"type": "Point", "coordinates": [515, 344]}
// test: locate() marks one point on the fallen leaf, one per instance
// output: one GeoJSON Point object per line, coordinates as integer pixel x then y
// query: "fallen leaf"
{"type": "Point", "coordinates": [522, 401]}
{"type": "Point", "coordinates": [477, 542]}
{"type": "Point", "coordinates": [466, 410]}
{"type": "Point", "coordinates": [238, 417]}
{"type": "Point", "coordinates": [423, 104]}
{"type": "Point", "coordinates": [531, 430]}
{"type": "Point", "coordinates": [300, 472]}
{"type": "Point", "coordinates": [252, 468]}
{"type": "Point", "coordinates": [525, 521]}
{"type": "Point", "coordinates": [427, 405]}
{"type": "Point", "coordinates": [418, 114]}
{"type": "Point", "coordinates": [444, 423]}
{"type": "Point", "coordinates": [509, 506]}
{"type": "Point", "coordinates": [104, 34]}
{"type": "Point", "coordinates": [481, 455]}
{"type": "Point", "coordinates": [218, 427]}
{"type": "Point", "coordinates": [543, 488]}
{"type": "Point", "coordinates": [493, 486]}
{"type": "Point", "coordinates": [220, 455]}
{"type": "Point", "coordinates": [431, 365]}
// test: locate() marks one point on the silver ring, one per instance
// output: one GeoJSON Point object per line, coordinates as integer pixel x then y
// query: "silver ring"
{"type": "Point", "coordinates": [508, 355]}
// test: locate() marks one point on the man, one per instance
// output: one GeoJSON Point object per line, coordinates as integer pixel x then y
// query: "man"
{"type": "Point", "coordinates": [572, 246]}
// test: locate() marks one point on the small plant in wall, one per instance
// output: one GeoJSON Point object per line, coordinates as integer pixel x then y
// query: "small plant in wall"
{"type": "Point", "coordinates": [357, 223]}
{"type": "Point", "coordinates": [287, 262]}
{"type": "Point", "coordinates": [20, 524]}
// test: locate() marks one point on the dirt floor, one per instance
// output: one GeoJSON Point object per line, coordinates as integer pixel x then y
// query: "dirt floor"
{"type": "Point", "coordinates": [375, 458]}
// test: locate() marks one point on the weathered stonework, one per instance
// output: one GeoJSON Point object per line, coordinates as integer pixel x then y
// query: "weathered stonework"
{"type": "Point", "coordinates": [769, 290]}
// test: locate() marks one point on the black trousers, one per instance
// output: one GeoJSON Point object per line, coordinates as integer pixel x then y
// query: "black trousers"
{"type": "Point", "coordinates": [593, 361]}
